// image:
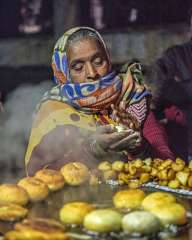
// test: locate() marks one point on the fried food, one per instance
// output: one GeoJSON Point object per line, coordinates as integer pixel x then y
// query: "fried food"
{"type": "Point", "coordinates": [109, 175]}
{"type": "Point", "coordinates": [105, 166]}
{"type": "Point", "coordinates": [54, 179]}
{"type": "Point", "coordinates": [36, 189]}
{"type": "Point", "coordinates": [170, 213]}
{"type": "Point", "coordinates": [12, 193]}
{"type": "Point", "coordinates": [182, 177]}
{"type": "Point", "coordinates": [129, 199]}
{"type": "Point", "coordinates": [40, 224]}
{"type": "Point", "coordinates": [12, 212]}
{"type": "Point", "coordinates": [157, 198]}
{"type": "Point", "coordinates": [118, 166]}
{"type": "Point", "coordinates": [103, 220]}
{"type": "Point", "coordinates": [75, 212]}
{"type": "Point", "coordinates": [141, 222]}
{"type": "Point", "coordinates": [75, 173]}
{"type": "Point", "coordinates": [38, 229]}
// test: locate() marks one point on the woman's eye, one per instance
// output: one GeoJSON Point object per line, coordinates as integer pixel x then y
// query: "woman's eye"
{"type": "Point", "coordinates": [98, 61]}
{"type": "Point", "coordinates": [78, 67]}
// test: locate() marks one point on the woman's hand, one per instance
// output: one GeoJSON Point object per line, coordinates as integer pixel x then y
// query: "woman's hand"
{"type": "Point", "coordinates": [104, 137]}
{"type": "Point", "coordinates": [107, 138]}
{"type": "Point", "coordinates": [130, 143]}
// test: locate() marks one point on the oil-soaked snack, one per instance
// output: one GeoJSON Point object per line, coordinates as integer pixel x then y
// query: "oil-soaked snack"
{"type": "Point", "coordinates": [54, 179]}
{"type": "Point", "coordinates": [103, 220]}
{"type": "Point", "coordinates": [157, 198]}
{"type": "Point", "coordinates": [75, 212]}
{"type": "Point", "coordinates": [141, 222]}
{"type": "Point", "coordinates": [35, 235]}
{"type": "Point", "coordinates": [40, 224]}
{"type": "Point", "coordinates": [36, 189]}
{"type": "Point", "coordinates": [12, 193]}
{"type": "Point", "coordinates": [129, 199]}
{"type": "Point", "coordinates": [170, 213]}
{"type": "Point", "coordinates": [12, 212]}
{"type": "Point", "coordinates": [38, 229]}
{"type": "Point", "coordinates": [75, 173]}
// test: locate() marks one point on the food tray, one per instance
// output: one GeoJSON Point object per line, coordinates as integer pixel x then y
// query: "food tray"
{"type": "Point", "coordinates": [101, 196]}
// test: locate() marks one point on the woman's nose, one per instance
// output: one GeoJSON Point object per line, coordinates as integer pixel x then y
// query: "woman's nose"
{"type": "Point", "coordinates": [91, 73]}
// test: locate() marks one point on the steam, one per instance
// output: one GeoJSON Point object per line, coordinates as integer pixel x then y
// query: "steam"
{"type": "Point", "coordinates": [15, 125]}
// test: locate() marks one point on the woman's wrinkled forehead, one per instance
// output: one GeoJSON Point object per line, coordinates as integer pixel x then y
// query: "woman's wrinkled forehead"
{"type": "Point", "coordinates": [77, 34]}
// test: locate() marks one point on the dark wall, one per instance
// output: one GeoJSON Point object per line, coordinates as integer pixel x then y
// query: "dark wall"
{"type": "Point", "coordinates": [13, 77]}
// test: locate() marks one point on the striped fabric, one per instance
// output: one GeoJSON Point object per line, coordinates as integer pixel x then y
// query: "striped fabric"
{"type": "Point", "coordinates": [138, 110]}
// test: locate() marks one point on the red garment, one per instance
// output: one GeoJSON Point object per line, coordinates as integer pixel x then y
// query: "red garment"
{"type": "Point", "coordinates": [156, 135]}
{"type": "Point", "coordinates": [174, 114]}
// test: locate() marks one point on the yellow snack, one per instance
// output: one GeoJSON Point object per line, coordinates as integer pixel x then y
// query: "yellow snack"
{"type": "Point", "coordinates": [134, 184]}
{"type": "Point", "coordinates": [167, 163]}
{"type": "Point", "coordinates": [40, 224]}
{"type": "Point", "coordinates": [178, 165]}
{"type": "Point", "coordinates": [109, 175]}
{"type": "Point", "coordinates": [54, 179]}
{"type": "Point", "coordinates": [157, 198]}
{"type": "Point", "coordinates": [36, 189]}
{"type": "Point", "coordinates": [163, 183]}
{"type": "Point", "coordinates": [129, 199]}
{"type": "Point", "coordinates": [146, 168]}
{"type": "Point", "coordinates": [182, 177]}
{"type": "Point", "coordinates": [190, 165]}
{"type": "Point", "coordinates": [75, 173]}
{"type": "Point", "coordinates": [118, 166]}
{"type": "Point", "coordinates": [174, 184]}
{"type": "Point", "coordinates": [37, 229]}
{"type": "Point", "coordinates": [35, 235]}
{"type": "Point", "coordinates": [170, 213]}
{"type": "Point", "coordinates": [12, 212]}
{"type": "Point", "coordinates": [141, 222]}
{"type": "Point", "coordinates": [190, 181]}
{"type": "Point", "coordinates": [103, 220]}
{"type": "Point", "coordinates": [75, 212]}
{"type": "Point", "coordinates": [138, 163]}
{"type": "Point", "coordinates": [132, 169]}
{"type": "Point", "coordinates": [148, 161]}
{"type": "Point", "coordinates": [12, 193]}
{"type": "Point", "coordinates": [124, 177]}
{"type": "Point", "coordinates": [171, 174]}
{"type": "Point", "coordinates": [162, 175]}
{"type": "Point", "coordinates": [154, 172]}
{"type": "Point", "coordinates": [105, 166]}
{"type": "Point", "coordinates": [144, 177]}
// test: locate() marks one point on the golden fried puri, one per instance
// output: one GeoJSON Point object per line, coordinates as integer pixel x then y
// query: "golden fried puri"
{"type": "Point", "coordinates": [54, 179]}
{"type": "Point", "coordinates": [170, 213]}
{"type": "Point", "coordinates": [103, 220]}
{"type": "Point", "coordinates": [12, 193]}
{"type": "Point", "coordinates": [75, 212]}
{"type": "Point", "coordinates": [141, 222]}
{"type": "Point", "coordinates": [75, 173]}
{"type": "Point", "coordinates": [129, 199]}
{"type": "Point", "coordinates": [157, 198]}
{"type": "Point", "coordinates": [37, 229]}
{"type": "Point", "coordinates": [12, 212]}
{"type": "Point", "coordinates": [36, 189]}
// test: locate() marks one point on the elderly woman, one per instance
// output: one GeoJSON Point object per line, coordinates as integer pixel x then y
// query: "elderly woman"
{"type": "Point", "coordinates": [93, 113]}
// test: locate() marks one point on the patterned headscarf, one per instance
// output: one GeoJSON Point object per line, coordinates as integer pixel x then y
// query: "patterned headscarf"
{"type": "Point", "coordinates": [92, 96]}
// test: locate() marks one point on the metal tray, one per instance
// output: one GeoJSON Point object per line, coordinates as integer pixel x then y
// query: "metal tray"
{"type": "Point", "coordinates": [101, 196]}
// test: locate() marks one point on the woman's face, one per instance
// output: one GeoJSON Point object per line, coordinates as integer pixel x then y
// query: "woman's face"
{"type": "Point", "coordinates": [87, 60]}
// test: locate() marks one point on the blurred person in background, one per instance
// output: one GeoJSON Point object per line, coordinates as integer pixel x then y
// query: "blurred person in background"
{"type": "Point", "coordinates": [77, 119]}
{"type": "Point", "coordinates": [173, 76]}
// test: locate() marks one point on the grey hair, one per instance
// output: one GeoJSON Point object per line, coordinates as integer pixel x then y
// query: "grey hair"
{"type": "Point", "coordinates": [82, 34]}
